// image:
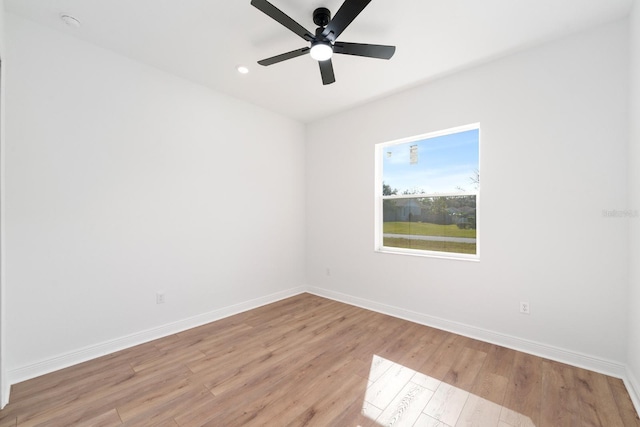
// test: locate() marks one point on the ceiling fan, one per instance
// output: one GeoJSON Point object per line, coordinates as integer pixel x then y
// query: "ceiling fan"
{"type": "Point", "coordinates": [323, 44]}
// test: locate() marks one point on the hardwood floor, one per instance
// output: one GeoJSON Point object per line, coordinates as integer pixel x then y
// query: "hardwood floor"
{"type": "Point", "coordinates": [307, 360]}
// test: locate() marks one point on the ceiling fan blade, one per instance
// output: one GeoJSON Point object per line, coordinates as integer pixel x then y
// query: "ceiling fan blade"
{"type": "Point", "coordinates": [345, 15]}
{"type": "Point", "coordinates": [368, 50]}
{"type": "Point", "coordinates": [282, 18]}
{"type": "Point", "coordinates": [326, 70]}
{"type": "Point", "coordinates": [284, 56]}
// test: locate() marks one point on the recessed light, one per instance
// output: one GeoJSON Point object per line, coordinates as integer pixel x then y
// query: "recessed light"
{"type": "Point", "coordinates": [242, 69]}
{"type": "Point", "coordinates": [70, 21]}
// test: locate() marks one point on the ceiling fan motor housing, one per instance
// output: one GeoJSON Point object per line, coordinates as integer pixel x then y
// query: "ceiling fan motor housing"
{"type": "Point", "coordinates": [321, 16]}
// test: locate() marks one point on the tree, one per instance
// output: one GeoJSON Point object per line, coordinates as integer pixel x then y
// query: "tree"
{"type": "Point", "coordinates": [387, 191]}
{"type": "Point", "coordinates": [439, 207]}
{"type": "Point", "coordinates": [475, 180]}
{"type": "Point", "coordinates": [413, 191]}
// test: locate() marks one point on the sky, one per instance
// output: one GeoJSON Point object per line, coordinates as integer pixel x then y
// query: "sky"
{"type": "Point", "coordinates": [443, 163]}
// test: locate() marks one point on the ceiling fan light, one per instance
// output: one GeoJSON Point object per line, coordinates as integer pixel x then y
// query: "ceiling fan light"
{"type": "Point", "coordinates": [321, 51]}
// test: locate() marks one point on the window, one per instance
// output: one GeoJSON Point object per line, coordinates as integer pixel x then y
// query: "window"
{"type": "Point", "coordinates": [428, 193]}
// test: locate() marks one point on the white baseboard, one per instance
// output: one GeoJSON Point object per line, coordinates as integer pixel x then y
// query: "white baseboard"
{"type": "Point", "coordinates": [633, 387]}
{"type": "Point", "coordinates": [569, 357]}
{"type": "Point", "coordinates": [6, 390]}
{"type": "Point", "coordinates": [92, 352]}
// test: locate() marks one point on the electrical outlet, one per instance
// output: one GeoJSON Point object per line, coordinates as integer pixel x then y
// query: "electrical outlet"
{"type": "Point", "coordinates": [160, 297]}
{"type": "Point", "coordinates": [524, 307]}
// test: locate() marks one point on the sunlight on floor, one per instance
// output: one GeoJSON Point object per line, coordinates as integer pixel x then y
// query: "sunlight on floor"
{"type": "Point", "coordinates": [399, 396]}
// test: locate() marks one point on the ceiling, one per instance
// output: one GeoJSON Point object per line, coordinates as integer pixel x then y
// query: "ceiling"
{"type": "Point", "coordinates": [205, 40]}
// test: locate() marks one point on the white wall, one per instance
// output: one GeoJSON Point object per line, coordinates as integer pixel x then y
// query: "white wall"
{"type": "Point", "coordinates": [553, 156]}
{"type": "Point", "coordinates": [634, 204]}
{"type": "Point", "coordinates": [4, 387]}
{"type": "Point", "coordinates": [122, 180]}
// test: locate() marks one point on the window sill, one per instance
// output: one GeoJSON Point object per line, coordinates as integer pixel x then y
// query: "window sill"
{"type": "Point", "coordinates": [429, 254]}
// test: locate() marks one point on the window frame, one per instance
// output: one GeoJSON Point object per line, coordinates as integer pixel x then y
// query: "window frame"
{"type": "Point", "coordinates": [380, 198]}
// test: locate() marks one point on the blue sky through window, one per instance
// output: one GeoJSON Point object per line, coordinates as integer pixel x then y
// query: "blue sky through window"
{"type": "Point", "coordinates": [444, 164]}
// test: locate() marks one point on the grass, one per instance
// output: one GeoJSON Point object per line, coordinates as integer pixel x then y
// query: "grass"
{"type": "Point", "coordinates": [426, 229]}
{"type": "Point", "coordinates": [428, 245]}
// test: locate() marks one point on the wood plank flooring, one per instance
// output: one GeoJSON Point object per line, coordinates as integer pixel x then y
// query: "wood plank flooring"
{"type": "Point", "coordinates": [310, 361]}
